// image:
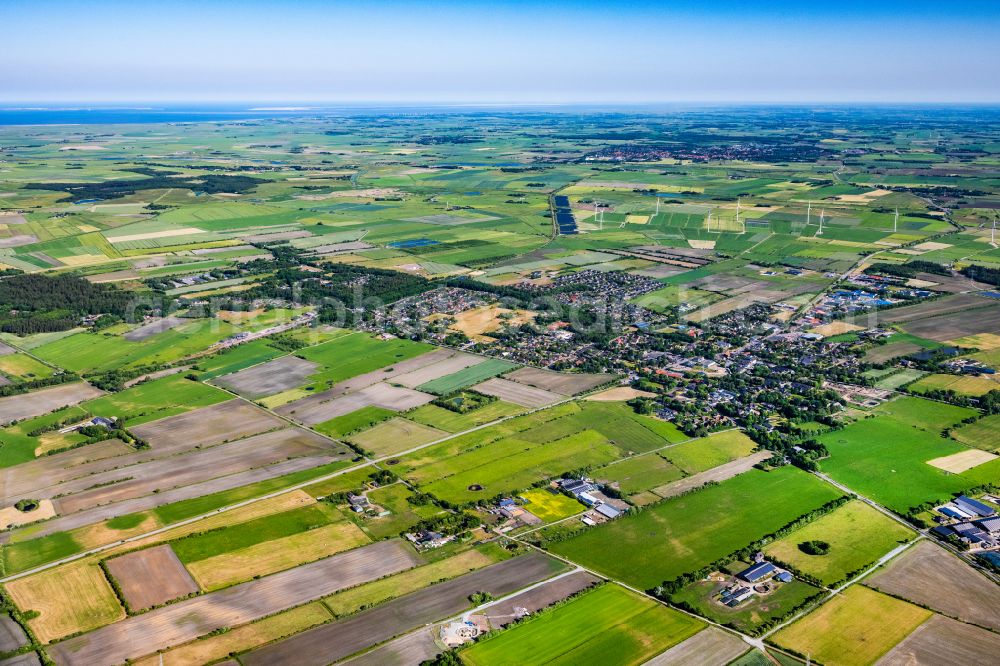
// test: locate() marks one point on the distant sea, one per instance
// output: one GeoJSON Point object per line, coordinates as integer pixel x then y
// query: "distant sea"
{"type": "Point", "coordinates": [119, 115]}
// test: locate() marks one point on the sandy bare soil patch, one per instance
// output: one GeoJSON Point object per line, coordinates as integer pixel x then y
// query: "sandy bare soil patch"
{"type": "Point", "coordinates": [152, 328]}
{"type": "Point", "coordinates": [836, 328]}
{"type": "Point", "coordinates": [18, 240]}
{"type": "Point", "coordinates": [519, 394]}
{"type": "Point", "coordinates": [11, 517]}
{"type": "Point", "coordinates": [6, 350]}
{"type": "Point", "coordinates": [328, 643]}
{"type": "Point", "coordinates": [619, 394]}
{"type": "Point", "coordinates": [167, 233]}
{"type": "Point", "coordinates": [437, 370]}
{"type": "Point", "coordinates": [942, 640]}
{"type": "Point", "coordinates": [310, 411]}
{"type": "Point", "coordinates": [269, 378]}
{"type": "Point", "coordinates": [477, 322]}
{"type": "Point", "coordinates": [927, 574]}
{"type": "Point", "coordinates": [12, 636]}
{"type": "Point", "coordinates": [221, 422]}
{"type": "Point", "coordinates": [959, 462]}
{"type": "Point", "coordinates": [864, 197]}
{"type": "Point", "coordinates": [708, 646]}
{"type": "Point", "coordinates": [151, 577]}
{"type": "Point", "coordinates": [701, 244]}
{"type": "Point", "coordinates": [718, 474]}
{"type": "Point", "coordinates": [558, 382]}
{"type": "Point", "coordinates": [186, 620]}
{"type": "Point", "coordinates": [409, 650]}
{"type": "Point", "coordinates": [36, 403]}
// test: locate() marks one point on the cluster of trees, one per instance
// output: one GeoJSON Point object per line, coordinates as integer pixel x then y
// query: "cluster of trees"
{"type": "Point", "coordinates": [111, 189]}
{"type": "Point", "coordinates": [38, 303]}
{"type": "Point", "coordinates": [907, 270]}
{"type": "Point", "coordinates": [982, 274]}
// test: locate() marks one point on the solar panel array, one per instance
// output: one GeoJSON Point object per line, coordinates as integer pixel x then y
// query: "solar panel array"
{"type": "Point", "coordinates": [564, 216]}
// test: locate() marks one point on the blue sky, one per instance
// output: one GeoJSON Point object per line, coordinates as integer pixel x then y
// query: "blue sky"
{"type": "Point", "coordinates": [499, 52]}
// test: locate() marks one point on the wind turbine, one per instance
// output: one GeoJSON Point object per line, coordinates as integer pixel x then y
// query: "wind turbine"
{"type": "Point", "coordinates": [993, 233]}
{"type": "Point", "coordinates": [657, 205]}
{"type": "Point", "coordinates": [809, 211]}
{"type": "Point", "coordinates": [822, 215]}
{"type": "Point", "coordinates": [708, 222]}
{"type": "Point", "coordinates": [895, 221]}
{"type": "Point", "coordinates": [738, 214]}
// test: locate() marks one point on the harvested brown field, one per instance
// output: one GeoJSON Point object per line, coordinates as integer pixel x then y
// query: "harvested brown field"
{"type": "Point", "coordinates": [36, 403]}
{"type": "Point", "coordinates": [26, 659]}
{"type": "Point", "coordinates": [942, 640]}
{"type": "Point", "coordinates": [504, 612]}
{"type": "Point", "coordinates": [883, 353]}
{"type": "Point", "coordinates": [6, 350]}
{"type": "Point", "coordinates": [941, 306]}
{"type": "Point", "coordinates": [269, 378]}
{"type": "Point", "coordinates": [564, 383]}
{"type": "Point", "coordinates": [478, 322]}
{"type": "Point", "coordinates": [945, 328]}
{"type": "Point", "coordinates": [408, 650]}
{"type": "Point", "coordinates": [437, 370]}
{"type": "Point", "coordinates": [519, 394]}
{"type": "Point", "coordinates": [100, 513]}
{"type": "Point", "coordinates": [331, 642]}
{"type": "Point", "coordinates": [927, 574]}
{"type": "Point", "coordinates": [223, 422]}
{"type": "Point", "coordinates": [150, 329]}
{"type": "Point", "coordinates": [195, 467]}
{"type": "Point", "coordinates": [709, 646]}
{"type": "Point", "coordinates": [310, 411]}
{"type": "Point", "coordinates": [186, 620]}
{"type": "Point", "coordinates": [151, 577]}
{"type": "Point", "coordinates": [207, 650]}
{"type": "Point", "coordinates": [718, 474]}
{"type": "Point", "coordinates": [12, 636]}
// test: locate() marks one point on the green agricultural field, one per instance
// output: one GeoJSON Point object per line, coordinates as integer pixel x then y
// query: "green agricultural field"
{"type": "Point", "coordinates": [356, 354]}
{"type": "Point", "coordinates": [983, 434]}
{"type": "Point", "coordinates": [685, 533]}
{"type": "Point", "coordinates": [467, 377]}
{"type": "Point", "coordinates": [858, 536]}
{"type": "Point", "coordinates": [100, 352]}
{"type": "Point", "coordinates": [885, 457]}
{"type": "Point", "coordinates": [236, 358]}
{"type": "Point", "coordinates": [963, 385]}
{"type": "Point", "coordinates": [359, 419]}
{"type": "Point", "coordinates": [449, 421]}
{"type": "Point", "coordinates": [156, 399]}
{"type": "Point", "coordinates": [705, 453]}
{"type": "Point", "coordinates": [608, 624]}
{"type": "Point", "coordinates": [236, 537]}
{"type": "Point", "coordinates": [640, 473]}
{"type": "Point", "coordinates": [21, 367]}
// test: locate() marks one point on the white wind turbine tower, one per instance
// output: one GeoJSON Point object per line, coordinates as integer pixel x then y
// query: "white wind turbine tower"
{"type": "Point", "coordinates": [895, 221]}
{"type": "Point", "coordinates": [809, 211]}
{"type": "Point", "coordinates": [822, 215]}
{"type": "Point", "coordinates": [738, 214]}
{"type": "Point", "coordinates": [993, 233]}
{"type": "Point", "coordinates": [657, 205]}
